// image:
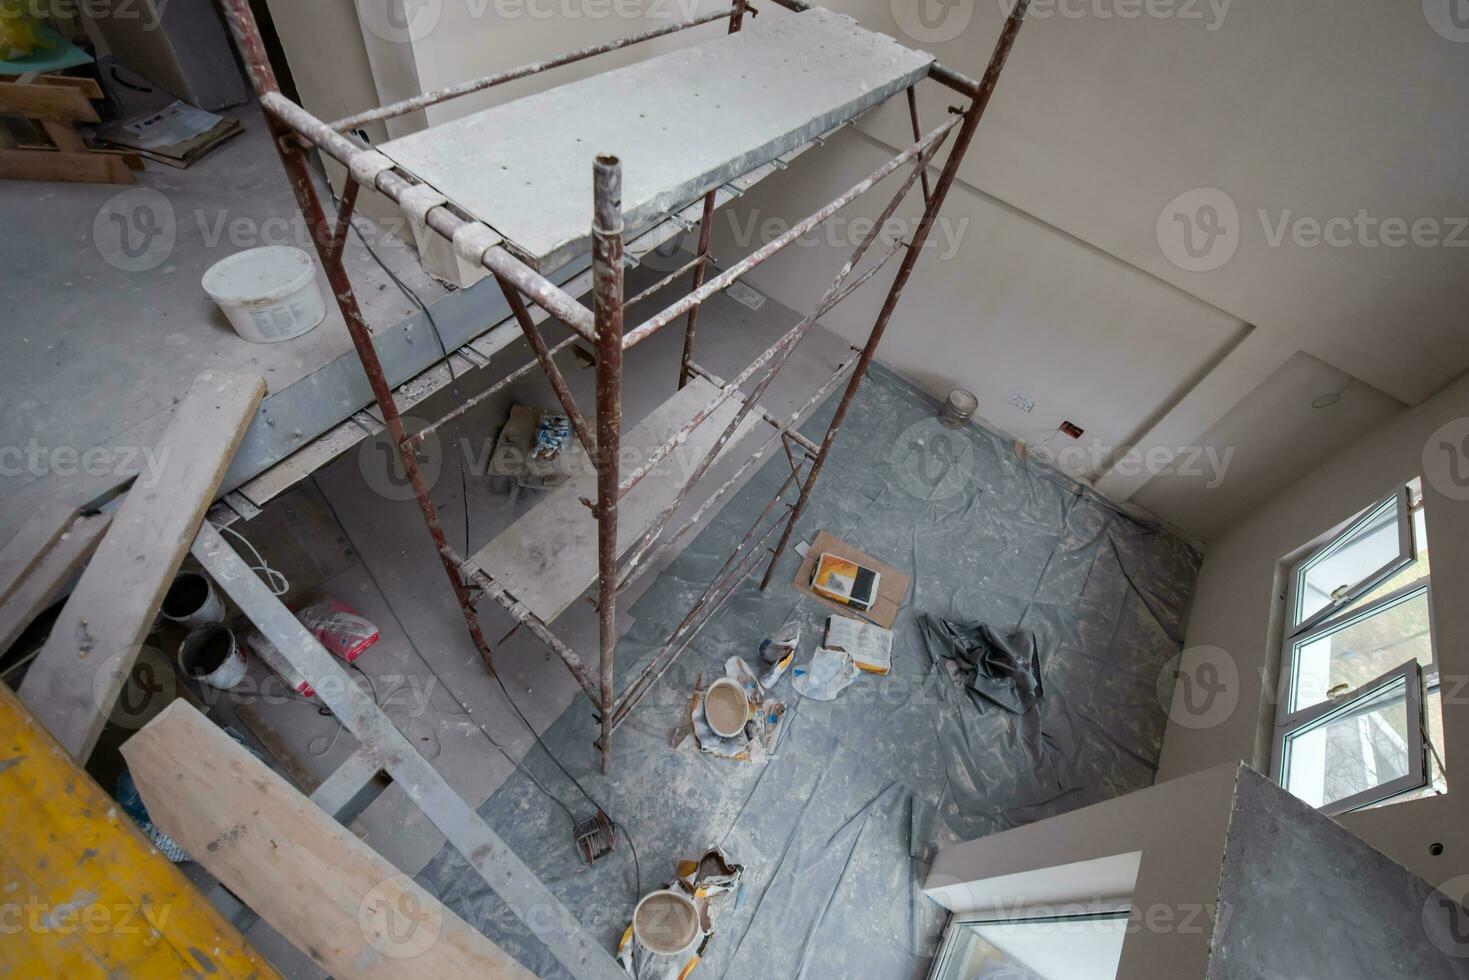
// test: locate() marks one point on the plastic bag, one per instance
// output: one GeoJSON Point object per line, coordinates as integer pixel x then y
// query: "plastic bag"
{"type": "Point", "coordinates": [338, 627]}
{"type": "Point", "coordinates": [778, 651]}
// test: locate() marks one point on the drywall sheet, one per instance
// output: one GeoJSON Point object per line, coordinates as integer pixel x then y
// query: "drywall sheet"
{"type": "Point", "coordinates": [835, 831]}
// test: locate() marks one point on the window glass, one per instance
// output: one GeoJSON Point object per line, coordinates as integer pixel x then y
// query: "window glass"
{"type": "Point", "coordinates": [1360, 747]}
{"type": "Point", "coordinates": [1329, 576]}
{"type": "Point", "coordinates": [1340, 659]}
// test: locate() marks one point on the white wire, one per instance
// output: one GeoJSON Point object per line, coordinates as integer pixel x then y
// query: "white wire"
{"type": "Point", "coordinates": [274, 580]}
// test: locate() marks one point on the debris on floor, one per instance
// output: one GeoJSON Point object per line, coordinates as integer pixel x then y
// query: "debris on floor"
{"type": "Point", "coordinates": [752, 741]}
{"type": "Point", "coordinates": [778, 651]}
{"type": "Point", "coordinates": [889, 583]}
{"type": "Point", "coordinates": [829, 673]}
{"type": "Point", "coordinates": [871, 646]}
{"type": "Point", "coordinates": [1001, 669]}
{"type": "Point", "coordinates": [671, 928]}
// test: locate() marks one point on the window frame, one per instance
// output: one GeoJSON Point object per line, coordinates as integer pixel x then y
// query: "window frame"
{"type": "Point", "coordinates": [1413, 693]}
{"type": "Point", "coordinates": [1422, 679]}
{"type": "Point", "coordinates": [1407, 553]}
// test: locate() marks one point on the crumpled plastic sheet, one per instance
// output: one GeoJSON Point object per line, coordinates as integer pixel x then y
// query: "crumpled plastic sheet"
{"type": "Point", "coordinates": [1004, 670]}
{"type": "Point", "coordinates": [836, 831]}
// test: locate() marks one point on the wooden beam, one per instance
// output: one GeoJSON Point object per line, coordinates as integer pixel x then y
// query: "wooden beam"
{"type": "Point", "coordinates": [62, 838]}
{"type": "Point", "coordinates": [75, 680]}
{"type": "Point", "coordinates": [31, 543]}
{"type": "Point", "coordinates": [583, 957]}
{"type": "Point", "coordinates": [331, 895]}
{"type": "Point", "coordinates": [87, 86]}
{"type": "Point", "coordinates": [43, 583]}
{"type": "Point", "coordinates": [60, 103]}
{"type": "Point", "coordinates": [72, 167]}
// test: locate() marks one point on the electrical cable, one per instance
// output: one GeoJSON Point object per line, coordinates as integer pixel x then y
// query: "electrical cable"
{"type": "Point", "coordinates": [278, 584]}
{"type": "Point", "coordinates": [464, 499]}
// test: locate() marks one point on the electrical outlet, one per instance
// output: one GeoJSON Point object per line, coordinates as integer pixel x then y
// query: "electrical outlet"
{"type": "Point", "coordinates": [1022, 403]}
{"type": "Point", "coordinates": [1072, 429]}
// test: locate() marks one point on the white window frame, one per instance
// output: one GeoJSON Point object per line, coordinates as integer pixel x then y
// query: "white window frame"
{"type": "Point", "coordinates": [1418, 678]}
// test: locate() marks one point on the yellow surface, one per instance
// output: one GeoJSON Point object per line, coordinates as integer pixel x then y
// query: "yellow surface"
{"type": "Point", "coordinates": [82, 892]}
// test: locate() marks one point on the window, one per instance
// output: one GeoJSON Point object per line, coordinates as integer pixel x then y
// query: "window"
{"type": "Point", "coordinates": [1360, 713]}
{"type": "Point", "coordinates": [1068, 947]}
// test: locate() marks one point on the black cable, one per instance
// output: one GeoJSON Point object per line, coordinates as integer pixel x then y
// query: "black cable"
{"type": "Point", "coordinates": [464, 499]}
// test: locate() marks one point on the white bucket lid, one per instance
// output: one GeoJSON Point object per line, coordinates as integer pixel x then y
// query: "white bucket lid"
{"type": "Point", "coordinates": [259, 275]}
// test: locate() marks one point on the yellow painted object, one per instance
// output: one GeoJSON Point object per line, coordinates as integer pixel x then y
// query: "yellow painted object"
{"type": "Point", "coordinates": [82, 892]}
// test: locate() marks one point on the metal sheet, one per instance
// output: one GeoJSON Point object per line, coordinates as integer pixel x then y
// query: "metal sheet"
{"type": "Point", "coordinates": [681, 123]}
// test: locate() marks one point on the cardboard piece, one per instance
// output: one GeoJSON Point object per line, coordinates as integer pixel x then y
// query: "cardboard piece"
{"type": "Point", "coordinates": [891, 592]}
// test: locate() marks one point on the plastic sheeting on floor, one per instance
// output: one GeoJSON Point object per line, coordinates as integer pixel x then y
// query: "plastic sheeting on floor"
{"type": "Point", "coordinates": [835, 830]}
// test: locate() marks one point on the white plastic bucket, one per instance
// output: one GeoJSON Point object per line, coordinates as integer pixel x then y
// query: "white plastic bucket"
{"type": "Point", "coordinates": [667, 923]}
{"type": "Point", "coordinates": [726, 708]}
{"type": "Point", "coordinates": [192, 602]}
{"type": "Point", "coordinates": [211, 656]}
{"type": "Point", "coordinates": [270, 294]}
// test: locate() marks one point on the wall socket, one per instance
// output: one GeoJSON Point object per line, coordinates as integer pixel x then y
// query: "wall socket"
{"type": "Point", "coordinates": [1022, 403]}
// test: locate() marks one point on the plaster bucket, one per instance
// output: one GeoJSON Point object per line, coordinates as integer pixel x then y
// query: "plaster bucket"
{"type": "Point", "coordinates": [270, 294]}
{"type": "Point", "coordinates": [959, 408]}
{"type": "Point", "coordinates": [667, 923]}
{"type": "Point", "coordinates": [192, 602]}
{"type": "Point", "coordinates": [726, 708]}
{"type": "Point", "coordinates": [211, 656]}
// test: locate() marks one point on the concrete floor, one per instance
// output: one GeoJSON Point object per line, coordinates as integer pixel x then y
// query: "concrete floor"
{"type": "Point", "coordinates": [107, 325]}
{"type": "Point", "coordinates": [339, 534]}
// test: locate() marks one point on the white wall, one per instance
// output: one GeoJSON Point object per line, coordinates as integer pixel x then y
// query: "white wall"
{"type": "Point", "coordinates": [1237, 609]}
{"type": "Point", "coordinates": [1158, 849]}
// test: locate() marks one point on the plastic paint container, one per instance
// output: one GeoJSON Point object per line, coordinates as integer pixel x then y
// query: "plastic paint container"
{"type": "Point", "coordinates": [270, 294]}
{"type": "Point", "coordinates": [192, 602]}
{"type": "Point", "coordinates": [959, 408]}
{"type": "Point", "coordinates": [666, 922]}
{"type": "Point", "coordinates": [211, 656]}
{"type": "Point", "coordinates": [726, 708]}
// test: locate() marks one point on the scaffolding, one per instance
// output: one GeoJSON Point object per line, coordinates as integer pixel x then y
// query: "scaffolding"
{"type": "Point", "coordinates": [424, 179]}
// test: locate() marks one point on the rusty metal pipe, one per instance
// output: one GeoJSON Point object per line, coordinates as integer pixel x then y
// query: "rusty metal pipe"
{"type": "Point", "coordinates": [778, 354]}
{"type": "Point", "coordinates": [523, 615]}
{"type": "Point", "coordinates": [1003, 46]}
{"type": "Point", "coordinates": [665, 657]}
{"type": "Point", "coordinates": [293, 158]}
{"type": "Point", "coordinates": [607, 293]}
{"type": "Point", "coordinates": [344, 220]}
{"type": "Point", "coordinates": [548, 365]}
{"type": "Point", "coordinates": [536, 67]}
{"type": "Point", "coordinates": [705, 220]}
{"type": "Point", "coordinates": [442, 220]}
{"type": "Point", "coordinates": [636, 567]}
{"type": "Point", "coordinates": [767, 251]}
{"type": "Point", "coordinates": [918, 132]}
{"type": "Point", "coordinates": [714, 379]}
{"type": "Point", "coordinates": [489, 392]}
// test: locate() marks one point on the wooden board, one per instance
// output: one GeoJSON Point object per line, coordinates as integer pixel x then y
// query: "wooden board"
{"type": "Point", "coordinates": [43, 583]}
{"type": "Point", "coordinates": [73, 683]}
{"type": "Point", "coordinates": [891, 591]}
{"type": "Point", "coordinates": [331, 895]}
{"type": "Point", "coordinates": [61, 837]}
{"type": "Point", "coordinates": [548, 558]}
{"type": "Point", "coordinates": [31, 543]}
{"type": "Point", "coordinates": [60, 103]}
{"type": "Point", "coordinates": [63, 165]}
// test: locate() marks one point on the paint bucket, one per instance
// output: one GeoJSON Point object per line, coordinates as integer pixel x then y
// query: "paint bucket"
{"type": "Point", "coordinates": [211, 656]}
{"type": "Point", "coordinates": [959, 408]}
{"type": "Point", "coordinates": [666, 923]}
{"type": "Point", "coordinates": [726, 708]}
{"type": "Point", "coordinates": [192, 602]}
{"type": "Point", "coordinates": [270, 294]}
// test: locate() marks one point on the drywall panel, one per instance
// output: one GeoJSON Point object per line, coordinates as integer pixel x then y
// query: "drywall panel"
{"type": "Point", "coordinates": [1300, 416]}
{"type": "Point", "coordinates": [1081, 860]}
{"type": "Point", "coordinates": [1109, 110]}
{"type": "Point", "coordinates": [1000, 304]}
{"type": "Point", "coordinates": [1233, 625]}
{"type": "Point", "coordinates": [1299, 896]}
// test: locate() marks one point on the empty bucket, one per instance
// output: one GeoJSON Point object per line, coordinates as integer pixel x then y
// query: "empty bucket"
{"type": "Point", "coordinates": [211, 656]}
{"type": "Point", "coordinates": [270, 294]}
{"type": "Point", "coordinates": [666, 922]}
{"type": "Point", "coordinates": [192, 602]}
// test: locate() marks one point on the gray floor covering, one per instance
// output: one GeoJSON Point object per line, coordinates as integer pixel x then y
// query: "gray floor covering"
{"type": "Point", "coordinates": [834, 830]}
